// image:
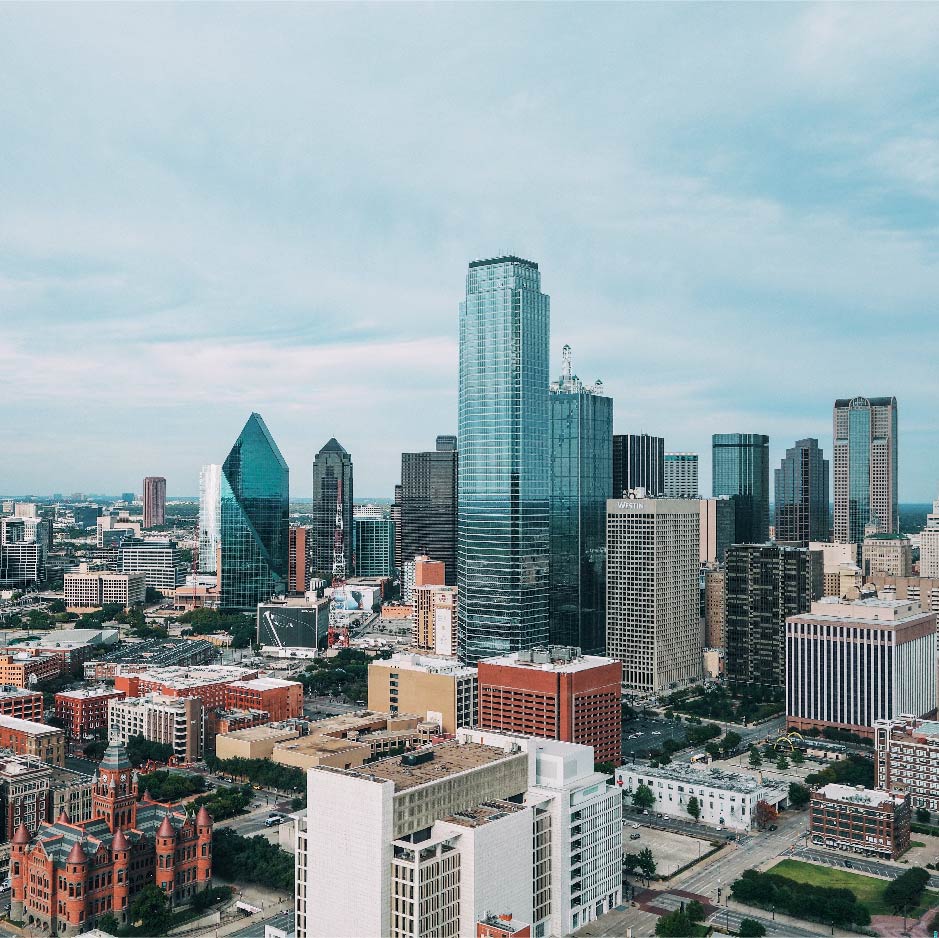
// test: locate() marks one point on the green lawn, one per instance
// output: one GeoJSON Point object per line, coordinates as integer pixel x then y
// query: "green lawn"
{"type": "Point", "coordinates": [868, 889]}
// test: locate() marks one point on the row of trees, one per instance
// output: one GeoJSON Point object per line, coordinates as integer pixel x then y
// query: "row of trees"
{"type": "Point", "coordinates": [260, 771]}
{"type": "Point", "coordinates": [224, 803]}
{"type": "Point", "coordinates": [855, 770]}
{"type": "Point", "coordinates": [903, 894]}
{"type": "Point", "coordinates": [781, 759]}
{"type": "Point", "coordinates": [838, 907]}
{"type": "Point", "coordinates": [251, 860]}
{"type": "Point", "coordinates": [212, 621]}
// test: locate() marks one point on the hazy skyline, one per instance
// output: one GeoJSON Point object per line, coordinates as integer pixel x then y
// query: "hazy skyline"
{"type": "Point", "coordinates": [210, 210]}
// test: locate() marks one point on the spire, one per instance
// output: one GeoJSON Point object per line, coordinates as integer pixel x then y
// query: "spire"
{"type": "Point", "coordinates": [119, 842]}
{"type": "Point", "coordinates": [203, 818]}
{"type": "Point", "coordinates": [166, 827]}
{"type": "Point", "coordinates": [22, 835]}
{"type": "Point", "coordinates": [77, 854]}
{"type": "Point", "coordinates": [63, 817]}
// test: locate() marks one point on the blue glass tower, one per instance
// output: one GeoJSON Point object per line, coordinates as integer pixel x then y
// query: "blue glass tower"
{"type": "Point", "coordinates": [801, 501]}
{"type": "Point", "coordinates": [254, 519]}
{"type": "Point", "coordinates": [502, 522]}
{"type": "Point", "coordinates": [581, 482]}
{"type": "Point", "coordinates": [741, 470]}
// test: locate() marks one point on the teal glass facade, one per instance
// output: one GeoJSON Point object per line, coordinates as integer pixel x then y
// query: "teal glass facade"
{"type": "Point", "coordinates": [502, 523]}
{"type": "Point", "coordinates": [740, 464]}
{"type": "Point", "coordinates": [374, 547]}
{"type": "Point", "coordinates": [581, 483]}
{"type": "Point", "coordinates": [253, 533]}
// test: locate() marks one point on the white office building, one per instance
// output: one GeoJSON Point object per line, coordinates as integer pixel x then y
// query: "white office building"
{"type": "Point", "coordinates": [681, 475]}
{"type": "Point", "coordinates": [210, 517]}
{"type": "Point", "coordinates": [929, 545]}
{"type": "Point", "coordinates": [160, 561]}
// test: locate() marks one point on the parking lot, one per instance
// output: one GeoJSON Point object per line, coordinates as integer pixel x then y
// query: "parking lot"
{"type": "Point", "coordinates": [671, 850]}
{"type": "Point", "coordinates": [645, 733]}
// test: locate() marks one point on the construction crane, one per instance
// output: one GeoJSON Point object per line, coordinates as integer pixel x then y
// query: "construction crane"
{"type": "Point", "coordinates": [337, 634]}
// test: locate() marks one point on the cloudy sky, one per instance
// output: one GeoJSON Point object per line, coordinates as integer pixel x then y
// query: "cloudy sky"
{"type": "Point", "coordinates": [210, 209]}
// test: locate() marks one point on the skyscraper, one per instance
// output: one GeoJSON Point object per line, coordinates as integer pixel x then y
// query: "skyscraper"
{"type": "Point", "coordinates": [331, 464]}
{"type": "Point", "coordinates": [681, 475]}
{"type": "Point", "coordinates": [428, 504]}
{"type": "Point", "coordinates": [154, 501]}
{"type": "Point", "coordinates": [374, 546]}
{"type": "Point", "coordinates": [210, 517]}
{"type": "Point", "coordinates": [581, 421]}
{"type": "Point", "coordinates": [929, 545]}
{"type": "Point", "coordinates": [802, 495]}
{"type": "Point", "coordinates": [502, 526]}
{"type": "Point", "coordinates": [865, 467]}
{"type": "Point", "coordinates": [254, 519]}
{"type": "Point", "coordinates": [638, 462]}
{"type": "Point", "coordinates": [741, 470]}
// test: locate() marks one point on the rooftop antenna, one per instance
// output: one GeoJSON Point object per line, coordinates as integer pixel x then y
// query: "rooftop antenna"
{"type": "Point", "coordinates": [566, 364]}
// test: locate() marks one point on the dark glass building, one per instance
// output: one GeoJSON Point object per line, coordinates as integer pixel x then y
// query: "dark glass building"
{"type": "Point", "coordinates": [331, 464]}
{"type": "Point", "coordinates": [581, 482]}
{"type": "Point", "coordinates": [253, 510]}
{"type": "Point", "coordinates": [765, 584]}
{"type": "Point", "coordinates": [502, 524]}
{"type": "Point", "coordinates": [428, 504]}
{"type": "Point", "coordinates": [801, 502]}
{"type": "Point", "coordinates": [638, 462]}
{"type": "Point", "coordinates": [740, 463]}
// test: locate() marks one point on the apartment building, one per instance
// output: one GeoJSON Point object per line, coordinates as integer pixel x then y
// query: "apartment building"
{"type": "Point", "coordinates": [25, 668]}
{"type": "Point", "coordinates": [21, 703]}
{"type": "Point", "coordinates": [173, 721]}
{"type": "Point", "coordinates": [93, 589]}
{"type": "Point", "coordinates": [28, 738]}
{"type": "Point", "coordinates": [85, 710]}
{"type": "Point", "coordinates": [283, 700]}
{"type": "Point", "coordinates": [443, 690]}
{"type": "Point", "coordinates": [869, 821]}
{"type": "Point", "coordinates": [435, 616]}
{"type": "Point", "coordinates": [907, 759]}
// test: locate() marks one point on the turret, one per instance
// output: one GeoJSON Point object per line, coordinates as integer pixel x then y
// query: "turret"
{"type": "Point", "coordinates": [120, 852]}
{"type": "Point", "coordinates": [203, 848]}
{"type": "Point", "coordinates": [75, 875]}
{"type": "Point", "coordinates": [166, 857]}
{"type": "Point", "coordinates": [19, 847]}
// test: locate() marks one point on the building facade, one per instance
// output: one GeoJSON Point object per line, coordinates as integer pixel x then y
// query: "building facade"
{"type": "Point", "coordinates": [332, 471]}
{"type": "Point", "coordinates": [435, 615]}
{"type": "Point", "coordinates": [210, 517]}
{"type": "Point", "coordinates": [20, 703]}
{"type": "Point", "coordinates": [428, 505]}
{"type": "Point", "coordinates": [717, 527]}
{"type": "Point", "coordinates": [254, 519]}
{"type": "Point", "coordinates": [865, 467]}
{"type": "Point", "coordinates": [681, 475]}
{"type": "Point", "coordinates": [907, 759]}
{"type": "Point", "coordinates": [504, 484]}
{"type": "Point", "coordinates": [91, 589]}
{"type": "Point", "coordinates": [653, 592]}
{"type": "Point", "coordinates": [740, 470]}
{"type": "Point", "coordinates": [887, 555]}
{"type": "Point", "coordinates": [28, 738]}
{"type": "Point", "coordinates": [638, 463]}
{"type": "Point", "coordinates": [852, 663]}
{"type": "Point", "coordinates": [581, 428]}
{"type": "Point", "coordinates": [84, 711]}
{"type": "Point", "coordinates": [172, 721]}
{"type": "Point", "coordinates": [715, 607]}
{"type": "Point", "coordinates": [154, 501]}
{"type": "Point", "coordinates": [374, 546]}
{"type": "Point", "coordinates": [801, 503]}
{"type": "Point", "coordinates": [299, 559]}
{"type": "Point", "coordinates": [161, 562]}
{"type": "Point", "coordinates": [867, 821]}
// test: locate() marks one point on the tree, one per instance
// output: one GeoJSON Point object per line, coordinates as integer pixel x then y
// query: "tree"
{"type": "Point", "coordinates": [630, 863]}
{"type": "Point", "coordinates": [905, 892]}
{"type": "Point", "coordinates": [108, 923]}
{"type": "Point", "coordinates": [730, 742]}
{"type": "Point", "coordinates": [150, 909]}
{"type": "Point", "coordinates": [695, 911]}
{"type": "Point", "coordinates": [713, 750]}
{"type": "Point", "coordinates": [756, 760]}
{"type": "Point", "coordinates": [782, 763]}
{"type": "Point", "coordinates": [797, 757]}
{"type": "Point", "coordinates": [751, 928]}
{"type": "Point", "coordinates": [923, 816]}
{"type": "Point", "coordinates": [694, 807]}
{"type": "Point", "coordinates": [799, 795]}
{"type": "Point", "coordinates": [646, 863]}
{"type": "Point", "coordinates": [140, 750]}
{"type": "Point", "coordinates": [674, 925]}
{"type": "Point", "coordinates": [643, 797]}
{"type": "Point", "coordinates": [765, 814]}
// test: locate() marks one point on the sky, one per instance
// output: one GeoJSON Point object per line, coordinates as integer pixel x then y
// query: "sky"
{"type": "Point", "coordinates": [213, 209]}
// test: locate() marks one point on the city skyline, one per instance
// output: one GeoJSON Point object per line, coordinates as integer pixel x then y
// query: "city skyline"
{"type": "Point", "coordinates": [204, 252]}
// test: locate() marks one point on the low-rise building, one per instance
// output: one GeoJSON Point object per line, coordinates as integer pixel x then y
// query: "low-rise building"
{"type": "Point", "coordinates": [84, 711]}
{"type": "Point", "coordinates": [293, 622]}
{"type": "Point", "coordinates": [726, 799]}
{"type": "Point", "coordinates": [26, 737]}
{"type": "Point", "coordinates": [907, 759]}
{"type": "Point", "coordinates": [20, 703]}
{"type": "Point", "coordinates": [283, 700]}
{"type": "Point", "coordinates": [887, 555]}
{"type": "Point", "coordinates": [173, 721]}
{"type": "Point", "coordinates": [869, 821]}
{"type": "Point", "coordinates": [26, 668]}
{"type": "Point", "coordinates": [255, 742]}
{"type": "Point", "coordinates": [223, 720]}
{"type": "Point", "coordinates": [151, 654]}
{"type": "Point", "coordinates": [92, 589]}
{"type": "Point", "coordinates": [442, 689]}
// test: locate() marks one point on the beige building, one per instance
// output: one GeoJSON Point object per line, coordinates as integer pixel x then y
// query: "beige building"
{"type": "Point", "coordinates": [174, 721]}
{"type": "Point", "coordinates": [715, 606]}
{"type": "Point", "coordinates": [28, 738]}
{"type": "Point", "coordinates": [255, 742]}
{"type": "Point", "coordinates": [835, 558]}
{"type": "Point", "coordinates": [443, 690]}
{"type": "Point", "coordinates": [435, 609]}
{"type": "Point", "coordinates": [93, 589]}
{"type": "Point", "coordinates": [908, 758]}
{"type": "Point", "coordinates": [887, 554]}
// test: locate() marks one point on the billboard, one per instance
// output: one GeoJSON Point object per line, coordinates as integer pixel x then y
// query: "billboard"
{"type": "Point", "coordinates": [284, 626]}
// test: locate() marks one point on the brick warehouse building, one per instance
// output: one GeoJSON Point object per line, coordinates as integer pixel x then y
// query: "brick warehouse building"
{"type": "Point", "coordinates": [84, 710]}
{"type": "Point", "coordinates": [20, 703]}
{"type": "Point", "coordinates": [554, 692]}
{"type": "Point", "coordinates": [69, 874]}
{"type": "Point", "coordinates": [865, 820]}
{"type": "Point", "coordinates": [283, 700]}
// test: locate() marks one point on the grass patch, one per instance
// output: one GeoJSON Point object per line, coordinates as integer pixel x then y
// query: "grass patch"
{"type": "Point", "coordinates": [917, 843]}
{"type": "Point", "coordinates": [868, 889]}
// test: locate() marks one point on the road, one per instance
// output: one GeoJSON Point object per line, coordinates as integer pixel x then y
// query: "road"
{"type": "Point", "coordinates": [855, 863]}
{"type": "Point", "coordinates": [283, 921]}
{"type": "Point", "coordinates": [728, 919]}
{"type": "Point", "coordinates": [701, 831]}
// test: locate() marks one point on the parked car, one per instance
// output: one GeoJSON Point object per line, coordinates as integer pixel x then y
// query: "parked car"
{"type": "Point", "coordinates": [636, 826]}
{"type": "Point", "coordinates": [773, 827]}
{"type": "Point", "coordinates": [634, 836]}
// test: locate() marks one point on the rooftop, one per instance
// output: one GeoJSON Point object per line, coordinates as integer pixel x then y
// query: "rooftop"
{"type": "Point", "coordinates": [551, 658]}
{"type": "Point", "coordinates": [483, 813]}
{"type": "Point", "coordinates": [8, 690]}
{"type": "Point", "coordinates": [431, 664]}
{"type": "Point", "coordinates": [504, 259]}
{"type": "Point", "coordinates": [28, 726]}
{"type": "Point", "coordinates": [860, 795]}
{"type": "Point", "coordinates": [865, 611]}
{"type": "Point", "coordinates": [86, 693]}
{"type": "Point", "coordinates": [715, 778]}
{"type": "Point", "coordinates": [259, 733]}
{"type": "Point", "coordinates": [264, 683]}
{"type": "Point", "coordinates": [196, 676]}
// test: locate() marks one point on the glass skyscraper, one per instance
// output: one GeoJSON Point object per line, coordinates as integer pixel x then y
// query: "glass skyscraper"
{"type": "Point", "coordinates": [865, 467]}
{"type": "Point", "coordinates": [638, 462]}
{"type": "Point", "coordinates": [210, 496]}
{"type": "Point", "coordinates": [254, 525]}
{"type": "Point", "coordinates": [740, 463]}
{"type": "Point", "coordinates": [801, 502]}
{"type": "Point", "coordinates": [502, 522]}
{"type": "Point", "coordinates": [581, 482]}
{"type": "Point", "coordinates": [331, 464]}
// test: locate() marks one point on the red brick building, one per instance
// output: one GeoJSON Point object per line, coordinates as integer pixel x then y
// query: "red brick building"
{"type": "Point", "coordinates": [18, 669]}
{"type": "Point", "coordinates": [865, 820]}
{"type": "Point", "coordinates": [208, 683]}
{"type": "Point", "coordinates": [85, 710]}
{"type": "Point", "coordinates": [283, 700]}
{"type": "Point", "coordinates": [556, 693]}
{"type": "Point", "coordinates": [20, 703]}
{"type": "Point", "coordinates": [31, 738]}
{"type": "Point", "coordinates": [68, 875]}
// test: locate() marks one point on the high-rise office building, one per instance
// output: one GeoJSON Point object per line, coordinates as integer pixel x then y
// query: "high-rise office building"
{"type": "Point", "coordinates": [581, 482]}
{"type": "Point", "coordinates": [396, 517]}
{"type": "Point", "coordinates": [154, 501]}
{"type": "Point", "coordinates": [741, 470]}
{"type": "Point", "coordinates": [374, 546]}
{"type": "Point", "coordinates": [929, 545]}
{"type": "Point", "coordinates": [653, 591]}
{"type": "Point", "coordinates": [766, 583]}
{"type": "Point", "coordinates": [802, 495]}
{"type": "Point", "coordinates": [638, 463]}
{"type": "Point", "coordinates": [428, 504]}
{"type": "Point", "coordinates": [717, 528]}
{"type": "Point", "coordinates": [331, 465]}
{"type": "Point", "coordinates": [502, 527]}
{"type": "Point", "coordinates": [254, 519]}
{"type": "Point", "coordinates": [160, 561]}
{"type": "Point", "coordinates": [210, 517]}
{"type": "Point", "coordinates": [865, 467]}
{"type": "Point", "coordinates": [299, 550]}
{"type": "Point", "coordinates": [681, 475]}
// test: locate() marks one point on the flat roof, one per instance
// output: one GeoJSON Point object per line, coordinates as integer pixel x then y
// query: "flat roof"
{"type": "Point", "coordinates": [579, 663]}
{"type": "Point", "coordinates": [84, 693]}
{"type": "Point", "coordinates": [859, 794]}
{"type": "Point", "coordinates": [28, 726]}
{"type": "Point", "coordinates": [8, 690]}
{"type": "Point", "coordinates": [258, 733]}
{"type": "Point", "coordinates": [264, 683]}
{"type": "Point", "coordinates": [431, 664]}
{"type": "Point", "coordinates": [195, 676]}
{"type": "Point", "coordinates": [483, 813]}
{"type": "Point", "coordinates": [715, 778]}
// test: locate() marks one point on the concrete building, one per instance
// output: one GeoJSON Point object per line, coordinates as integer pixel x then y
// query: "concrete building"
{"type": "Point", "coordinates": [864, 820]}
{"type": "Point", "coordinates": [293, 622]}
{"type": "Point", "coordinates": [554, 693]}
{"type": "Point", "coordinates": [929, 545]}
{"type": "Point", "coordinates": [84, 711]}
{"type": "Point", "coordinates": [420, 571]}
{"type": "Point", "coordinates": [254, 742]}
{"type": "Point", "coordinates": [681, 475]}
{"type": "Point", "coordinates": [715, 607]}
{"type": "Point", "coordinates": [28, 738]}
{"type": "Point", "coordinates": [92, 589]}
{"type": "Point", "coordinates": [299, 559]}
{"type": "Point", "coordinates": [154, 501]}
{"type": "Point", "coordinates": [716, 529]}
{"type": "Point", "coordinates": [21, 703]}
{"type": "Point", "coordinates": [726, 799]}
{"type": "Point", "coordinates": [907, 759]}
{"type": "Point", "coordinates": [864, 470]}
{"type": "Point", "coordinates": [887, 555]}
{"type": "Point", "coordinates": [850, 664]}
{"type": "Point", "coordinates": [834, 558]}
{"type": "Point", "coordinates": [921, 590]}
{"type": "Point", "coordinates": [374, 546]}
{"type": "Point", "coordinates": [653, 592]}
{"type": "Point", "coordinates": [160, 561]}
{"type": "Point", "coordinates": [442, 690]}
{"type": "Point", "coordinates": [112, 529]}
{"type": "Point", "coordinates": [173, 721]}
{"type": "Point", "coordinates": [435, 619]}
